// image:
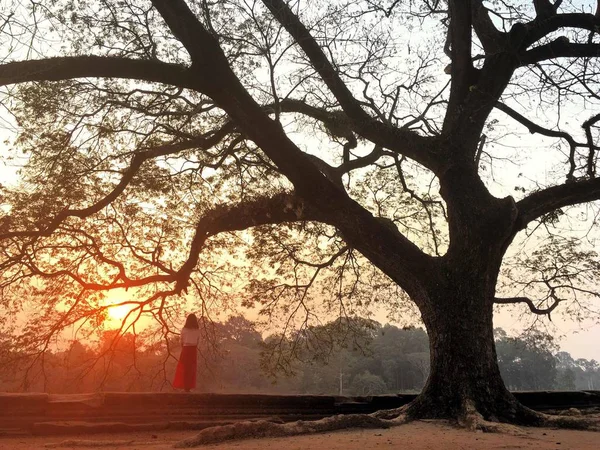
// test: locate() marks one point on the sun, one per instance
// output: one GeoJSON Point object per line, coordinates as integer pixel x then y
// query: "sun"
{"type": "Point", "coordinates": [119, 306]}
{"type": "Point", "coordinates": [119, 312]}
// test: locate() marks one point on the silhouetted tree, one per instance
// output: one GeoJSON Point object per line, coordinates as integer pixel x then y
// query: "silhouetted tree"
{"type": "Point", "coordinates": [156, 128]}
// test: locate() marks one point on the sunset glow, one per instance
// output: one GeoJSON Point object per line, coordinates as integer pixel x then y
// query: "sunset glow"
{"type": "Point", "coordinates": [122, 304]}
{"type": "Point", "coordinates": [119, 312]}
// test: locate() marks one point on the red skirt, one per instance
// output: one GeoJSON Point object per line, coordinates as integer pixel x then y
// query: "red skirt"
{"type": "Point", "coordinates": [185, 374]}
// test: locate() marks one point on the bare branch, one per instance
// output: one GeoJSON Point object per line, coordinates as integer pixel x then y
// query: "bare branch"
{"type": "Point", "coordinates": [66, 68]}
{"type": "Point", "coordinates": [363, 161]}
{"type": "Point", "coordinates": [490, 37]}
{"type": "Point", "coordinates": [537, 31]}
{"type": "Point", "coordinates": [200, 44]}
{"type": "Point", "coordinates": [559, 48]}
{"type": "Point", "coordinates": [587, 126]}
{"type": "Point", "coordinates": [547, 200]}
{"type": "Point", "coordinates": [534, 309]}
{"type": "Point", "coordinates": [277, 209]}
{"type": "Point", "coordinates": [400, 140]}
{"type": "Point", "coordinates": [535, 128]}
{"type": "Point", "coordinates": [462, 67]}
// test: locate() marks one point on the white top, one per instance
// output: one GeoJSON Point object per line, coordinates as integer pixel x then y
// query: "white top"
{"type": "Point", "coordinates": [190, 336]}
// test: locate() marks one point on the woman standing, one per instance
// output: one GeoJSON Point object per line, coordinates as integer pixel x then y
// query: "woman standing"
{"type": "Point", "coordinates": [185, 374]}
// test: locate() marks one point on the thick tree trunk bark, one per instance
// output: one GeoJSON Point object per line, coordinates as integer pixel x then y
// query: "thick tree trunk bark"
{"type": "Point", "coordinates": [464, 376]}
{"type": "Point", "coordinates": [457, 307]}
{"type": "Point", "coordinates": [463, 365]}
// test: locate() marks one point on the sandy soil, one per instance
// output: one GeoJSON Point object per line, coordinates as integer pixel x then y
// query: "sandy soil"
{"type": "Point", "coordinates": [415, 436]}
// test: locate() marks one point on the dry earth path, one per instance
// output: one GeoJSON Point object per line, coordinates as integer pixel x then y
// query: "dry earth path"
{"type": "Point", "coordinates": [421, 435]}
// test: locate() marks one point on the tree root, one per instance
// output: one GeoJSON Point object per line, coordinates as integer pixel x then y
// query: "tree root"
{"type": "Point", "coordinates": [263, 428]}
{"type": "Point", "coordinates": [469, 418]}
{"type": "Point", "coordinates": [397, 414]}
{"type": "Point", "coordinates": [572, 423]}
{"type": "Point", "coordinates": [473, 420]}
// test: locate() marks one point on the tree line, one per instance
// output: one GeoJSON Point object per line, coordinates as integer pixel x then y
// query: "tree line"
{"type": "Point", "coordinates": [347, 358]}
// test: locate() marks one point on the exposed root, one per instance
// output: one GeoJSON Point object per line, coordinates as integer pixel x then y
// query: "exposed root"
{"type": "Point", "coordinates": [511, 419]}
{"type": "Point", "coordinates": [572, 423]}
{"type": "Point", "coordinates": [472, 420]}
{"type": "Point", "coordinates": [392, 414]}
{"type": "Point", "coordinates": [87, 443]}
{"type": "Point", "coordinates": [263, 428]}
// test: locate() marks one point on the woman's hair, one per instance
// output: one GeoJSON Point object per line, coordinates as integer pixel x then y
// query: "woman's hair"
{"type": "Point", "coordinates": [191, 322]}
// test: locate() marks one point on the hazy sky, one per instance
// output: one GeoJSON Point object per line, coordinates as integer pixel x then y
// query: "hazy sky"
{"type": "Point", "coordinates": [581, 340]}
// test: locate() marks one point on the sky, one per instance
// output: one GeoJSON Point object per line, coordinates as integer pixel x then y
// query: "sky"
{"type": "Point", "coordinates": [581, 340]}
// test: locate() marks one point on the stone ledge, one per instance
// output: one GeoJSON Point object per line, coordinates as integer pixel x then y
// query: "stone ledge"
{"type": "Point", "coordinates": [34, 412]}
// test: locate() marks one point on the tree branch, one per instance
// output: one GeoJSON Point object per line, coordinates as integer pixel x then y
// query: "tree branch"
{"type": "Point", "coordinates": [542, 28]}
{"type": "Point", "coordinates": [535, 128]}
{"type": "Point", "coordinates": [202, 46]}
{"type": "Point", "coordinates": [559, 48]}
{"type": "Point", "coordinates": [399, 140]}
{"type": "Point", "coordinates": [277, 209]}
{"type": "Point", "coordinates": [66, 68]}
{"type": "Point", "coordinates": [488, 34]}
{"type": "Point", "coordinates": [216, 79]}
{"type": "Point", "coordinates": [340, 126]}
{"type": "Point", "coordinates": [534, 309]}
{"type": "Point", "coordinates": [280, 208]}
{"type": "Point", "coordinates": [363, 161]}
{"type": "Point", "coordinates": [212, 75]}
{"type": "Point", "coordinates": [136, 162]}
{"type": "Point", "coordinates": [400, 256]}
{"type": "Point", "coordinates": [547, 200]}
{"type": "Point", "coordinates": [587, 126]}
{"type": "Point", "coordinates": [462, 67]}
{"type": "Point", "coordinates": [337, 123]}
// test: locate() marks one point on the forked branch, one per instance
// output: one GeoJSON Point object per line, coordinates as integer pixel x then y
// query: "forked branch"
{"type": "Point", "coordinates": [280, 208]}
{"type": "Point", "coordinates": [535, 128]}
{"type": "Point", "coordinates": [399, 140]}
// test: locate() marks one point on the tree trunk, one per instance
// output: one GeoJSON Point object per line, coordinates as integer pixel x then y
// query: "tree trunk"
{"type": "Point", "coordinates": [465, 377]}
{"type": "Point", "coordinates": [457, 306]}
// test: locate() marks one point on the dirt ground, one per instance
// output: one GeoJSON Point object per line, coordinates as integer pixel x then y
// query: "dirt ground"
{"type": "Point", "coordinates": [420, 435]}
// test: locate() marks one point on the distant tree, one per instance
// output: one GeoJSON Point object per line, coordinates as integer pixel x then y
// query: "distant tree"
{"type": "Point", "coordinates": [564, 360]}
{"type": "Point", "coordinates": [366, 383]}
{"type": "Point", "coordinates": [565, 380]}
{"type": "Point", "coordinates": [239, 330]}
{"type": "Point", "coordinates": [526, 363]}
{"type": "Point", "coordinates": [590, 371]}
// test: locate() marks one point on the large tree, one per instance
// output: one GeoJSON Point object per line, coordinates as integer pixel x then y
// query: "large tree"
{"type": "Point", "coordinates": [152, 129]}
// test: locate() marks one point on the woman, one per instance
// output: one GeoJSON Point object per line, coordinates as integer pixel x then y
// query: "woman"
{"type": "Point", "coordinates": [185, 374]}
